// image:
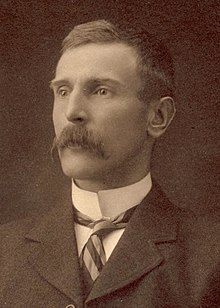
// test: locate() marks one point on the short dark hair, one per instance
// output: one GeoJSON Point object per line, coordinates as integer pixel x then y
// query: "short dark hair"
{"type": "Point", "coordinates": [155, 64]}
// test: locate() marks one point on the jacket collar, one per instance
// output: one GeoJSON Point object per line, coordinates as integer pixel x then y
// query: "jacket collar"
{"type": "Point", "coordinates": [53, 250]}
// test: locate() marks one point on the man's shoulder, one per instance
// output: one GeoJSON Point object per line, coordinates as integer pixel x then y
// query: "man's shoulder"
{"type": "Point", "coordinates": [200, 224]}
{"type": "Point", "coordinates": [199, 236]}
{"type": "Point", "coordinates": [191, 224]}
{"type": "Point", "coordinates": [13, 233]}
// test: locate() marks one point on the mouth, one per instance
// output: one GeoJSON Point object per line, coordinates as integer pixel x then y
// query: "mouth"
{"type": "Point", "coordinates": [75, 147]}
{"type": "Point", "coordinates": [82, 149]}
{"type": "Point", "coordinates": [78, 148]}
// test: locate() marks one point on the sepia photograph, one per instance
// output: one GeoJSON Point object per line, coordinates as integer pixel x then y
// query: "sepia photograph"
{"type": "Point", "coordinates": [109, 154]}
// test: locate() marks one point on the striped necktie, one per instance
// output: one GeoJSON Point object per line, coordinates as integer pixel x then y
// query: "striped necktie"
{"type": "Point", "coordinates": [92, 257]}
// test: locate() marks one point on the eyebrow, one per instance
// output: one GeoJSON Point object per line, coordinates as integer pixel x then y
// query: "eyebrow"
{"type": "Point", "coordinates": [90, 82]}
{"type": "Point", "coordinates": [56, 83]}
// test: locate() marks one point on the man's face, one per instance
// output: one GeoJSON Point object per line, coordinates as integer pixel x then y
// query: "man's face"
{"type": "Point", "coordinates": [95, 91]}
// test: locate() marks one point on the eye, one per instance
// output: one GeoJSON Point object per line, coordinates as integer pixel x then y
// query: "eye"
{"type": "Point", "coordinates": [62, 92]}
{"type": "Point", "coordinates": [102, 91]}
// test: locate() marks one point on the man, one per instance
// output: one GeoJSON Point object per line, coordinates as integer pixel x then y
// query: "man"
{"type": "Point", "coordinates": [120, 242]}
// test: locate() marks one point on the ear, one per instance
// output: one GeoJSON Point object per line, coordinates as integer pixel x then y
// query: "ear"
{"type": "Point", "coordinates": [160, 116]}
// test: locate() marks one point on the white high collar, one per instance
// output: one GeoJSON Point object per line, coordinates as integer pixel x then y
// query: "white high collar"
{"type": "Point", "coordinates": [112, 202]}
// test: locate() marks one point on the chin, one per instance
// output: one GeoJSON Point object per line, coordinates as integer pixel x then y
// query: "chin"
{"type": "Point", "coordinates": [82, 166]}
{"type": "Point", "coordinates": [77, 171]}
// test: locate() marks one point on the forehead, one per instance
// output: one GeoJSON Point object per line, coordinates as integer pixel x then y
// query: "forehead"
{"type": "Point", "coordinates": [111, 61]}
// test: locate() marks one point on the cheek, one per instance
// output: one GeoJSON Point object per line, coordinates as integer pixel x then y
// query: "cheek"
{"type": "Point", "coordinates": [125, 130]}
{"type": "Point", "coordinates": [58, 120]}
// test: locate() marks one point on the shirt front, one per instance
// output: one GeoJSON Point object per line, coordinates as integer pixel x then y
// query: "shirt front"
{"type": "Point", "coordinates": [107, 203]}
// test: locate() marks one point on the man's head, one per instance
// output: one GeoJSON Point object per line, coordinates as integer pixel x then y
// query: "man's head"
{"type": "Point", "coordinates": [112, 99]}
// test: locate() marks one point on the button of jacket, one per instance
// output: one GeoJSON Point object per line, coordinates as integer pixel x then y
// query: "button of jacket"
{"type": "Point", "coordinates": [71, 306]}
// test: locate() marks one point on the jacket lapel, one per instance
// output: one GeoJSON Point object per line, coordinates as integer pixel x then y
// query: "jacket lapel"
{"type": "Point", "coordinates": [153, 222]}
{"type": "Point", "coordinates": [53, 252]}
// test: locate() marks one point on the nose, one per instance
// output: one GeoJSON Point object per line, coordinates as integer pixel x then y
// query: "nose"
{"type": "Point", "coordinates": [76, 111]}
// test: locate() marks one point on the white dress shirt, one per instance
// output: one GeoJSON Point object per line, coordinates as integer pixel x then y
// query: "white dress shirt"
{"type": "Point", "coordinates": [107, 203]}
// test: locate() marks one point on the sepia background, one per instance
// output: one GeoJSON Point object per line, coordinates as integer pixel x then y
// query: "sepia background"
{"type": "Point", "coordinates": [186, 159]}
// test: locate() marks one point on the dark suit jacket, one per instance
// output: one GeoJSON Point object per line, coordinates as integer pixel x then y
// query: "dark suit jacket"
{"type": "Point", "coordinates": [167, 257]}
